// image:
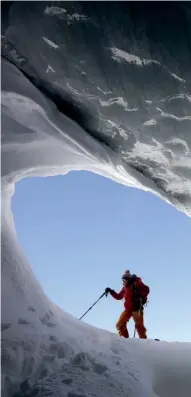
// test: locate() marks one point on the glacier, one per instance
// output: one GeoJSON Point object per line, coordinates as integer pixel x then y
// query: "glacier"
{"type": "Point", "coordinates": [103, 88]}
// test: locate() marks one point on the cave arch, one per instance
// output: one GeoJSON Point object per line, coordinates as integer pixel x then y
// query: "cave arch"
{"type": "Point", "coordinates": [37, 139]}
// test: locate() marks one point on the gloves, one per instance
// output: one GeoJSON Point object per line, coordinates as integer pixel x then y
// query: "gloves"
{"type": "Point", "coordinates": [108, 290]}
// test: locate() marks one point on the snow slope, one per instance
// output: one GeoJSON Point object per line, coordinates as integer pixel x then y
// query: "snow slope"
{"type": "Point", "coordinates": [46, 352]}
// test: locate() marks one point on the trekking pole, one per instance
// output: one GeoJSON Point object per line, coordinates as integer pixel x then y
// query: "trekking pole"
{"type": "Point", "coordinates": [134, 332]}
{"type": "Point", "coordinates": [92, 305]}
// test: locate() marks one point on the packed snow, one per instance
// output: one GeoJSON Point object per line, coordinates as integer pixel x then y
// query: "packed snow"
{"type": "Point", "coordinates": [45, 351]}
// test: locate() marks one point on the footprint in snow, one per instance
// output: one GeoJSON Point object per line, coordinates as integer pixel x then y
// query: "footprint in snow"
{"type": "Point", "coordinates": [61, 350]}
{"type": "Point", "coordinates": [5, 326]}
{"type": "Point", "coordinates": [31, 309]}
{"type": "Point", "coordinates": [67, 381]}
{"type": "Point", "coordinates": [42, 371]}
{"type": "Point", "coordinates": [49, 357]}
{"type": "Point", "coordinates": [28, 366]}
{"type": "Point", "coordinates": [23, 321]}
{"type": "Point", "coordinates": [87, 363]}
{"type": "Point", "coordinates": [45, 320]}
{"type": "Point", "coordinates": [53, 338]}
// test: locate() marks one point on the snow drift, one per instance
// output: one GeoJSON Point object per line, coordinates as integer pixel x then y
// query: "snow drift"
{"type": "Point", "coordinates": [118, 106]}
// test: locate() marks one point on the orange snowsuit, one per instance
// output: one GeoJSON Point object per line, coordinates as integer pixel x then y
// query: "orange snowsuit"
{"type": "Point", "coordinates": [132, 294]}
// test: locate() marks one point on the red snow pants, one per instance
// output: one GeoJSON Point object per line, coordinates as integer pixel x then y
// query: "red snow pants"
{"type": "Point", "coordinates": [138, 318]}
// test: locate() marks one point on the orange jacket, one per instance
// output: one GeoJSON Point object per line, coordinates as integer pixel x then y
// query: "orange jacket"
{"type": "Point", "coordinates": [132, 293]}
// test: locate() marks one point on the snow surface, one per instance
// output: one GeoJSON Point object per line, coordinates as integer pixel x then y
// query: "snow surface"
{"type": "Point", "coordinates": [45, 351]}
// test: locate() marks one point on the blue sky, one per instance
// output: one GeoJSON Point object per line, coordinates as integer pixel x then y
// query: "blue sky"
{"type": "Point", "coordinates": [81, 231]}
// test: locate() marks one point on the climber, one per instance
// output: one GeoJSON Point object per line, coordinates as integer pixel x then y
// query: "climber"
{"type": "Point", "coordinates": [135, 294]}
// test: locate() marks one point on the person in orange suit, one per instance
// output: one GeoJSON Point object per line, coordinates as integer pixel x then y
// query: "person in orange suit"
{"type": "Point", "coordinates": [134, 293]}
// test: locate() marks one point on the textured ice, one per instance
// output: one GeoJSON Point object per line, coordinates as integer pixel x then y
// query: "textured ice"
{"type": "Point", "coordinates": [50, 43]}
{"type": "Point", "coordinates": [127, 118]}
{"type": "Point", "coordinates": [54, 10]}
{"type": "Point", "coordinates": [120, 55]}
